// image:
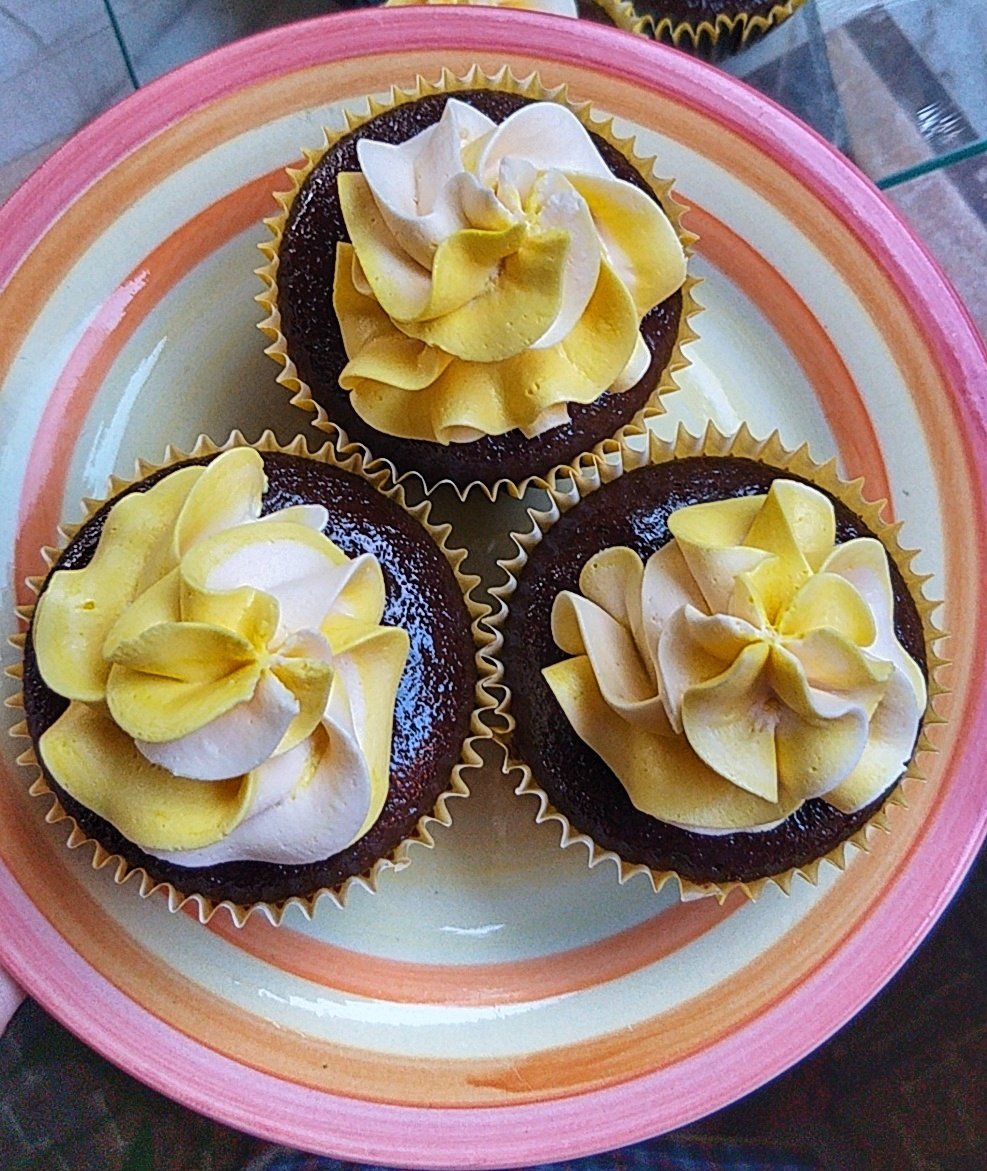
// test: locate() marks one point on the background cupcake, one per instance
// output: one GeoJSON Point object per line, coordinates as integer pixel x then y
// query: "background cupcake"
{"type": "Point", "coordinates": [727, 707]}
{"type": "Point", "coordinates": [708, 28]}
{"type": "Point", "coordinates": [249, 678]}
{"type": "Point", "coordinates": [530, 300]}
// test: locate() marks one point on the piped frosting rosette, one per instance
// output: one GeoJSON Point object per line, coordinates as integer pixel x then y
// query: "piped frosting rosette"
{"type": "Point", "coordinates": [495, 274]}
{"type": "Point", "coordinates": [746, 668]}
{"type": "Point", "coordinates": [711, 34]}
{"type": "Point", "coordinates": [229, 681]}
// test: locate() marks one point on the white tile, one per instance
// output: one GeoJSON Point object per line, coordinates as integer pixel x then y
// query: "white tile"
{"type": "Point", "coordinates": [951, 36]}
{"type": "Point", "coordinates": [928, 55]}
{"type": "Point", "coordinates": [15, 171]}
{"type": "Point", "coordinates": [60, 66]}
{"type": "Point", "coordinates": [792, 66]}
{"type": "Point", "coordinates": [162, 35]}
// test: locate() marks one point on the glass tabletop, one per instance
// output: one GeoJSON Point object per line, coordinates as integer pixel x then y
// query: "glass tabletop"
{"type": "Point", "coordinates": [900, 87]}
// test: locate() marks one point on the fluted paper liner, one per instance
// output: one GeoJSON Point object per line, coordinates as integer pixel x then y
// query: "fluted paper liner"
{"type": "Point", "coordinates": [470, 759]}
{"type": "Point", "coordinates": [711, 38]}
{"type": "Point", "coordinates": [613, 459]}
{"type": "Point", "coordinates": [505, 81]}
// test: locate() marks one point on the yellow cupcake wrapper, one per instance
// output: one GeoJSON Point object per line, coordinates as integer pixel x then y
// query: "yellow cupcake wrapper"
{"type": "Point", "coordinates": [710, 38]}
{"type": "Point", "coordinates": [422, 836]}
{"type": "Point", "coordinates": [505, 81]}
{"type": "Point", "coordinates": [614, 458]}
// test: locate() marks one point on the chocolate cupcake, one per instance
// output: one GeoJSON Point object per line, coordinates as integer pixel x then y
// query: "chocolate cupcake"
{"type": "Point", "coordinates": [249, 678]}
{"type": "Point", "coordinates": [716, 659]}
{"type": "Point", "coordinates": [711, 29]}
{"type": "Point", "coordinates": [536, 305]}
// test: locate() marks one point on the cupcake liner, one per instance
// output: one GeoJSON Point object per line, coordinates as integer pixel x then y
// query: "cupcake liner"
{"type": "Point", "coordinates": [505, 81]}
{"type": "Point", "coordinates": [470, 759]}
{"type": "Point", "coordinates": [711, 38]}
{"type": "Point", "coordinates": [615, 458]}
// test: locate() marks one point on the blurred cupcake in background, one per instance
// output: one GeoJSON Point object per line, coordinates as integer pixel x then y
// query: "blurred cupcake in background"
{"type": "Point", "coordinates": [711, 29]}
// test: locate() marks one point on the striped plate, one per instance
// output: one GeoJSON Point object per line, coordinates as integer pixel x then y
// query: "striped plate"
{"type": "Point", "coordinates": [497, 1003]}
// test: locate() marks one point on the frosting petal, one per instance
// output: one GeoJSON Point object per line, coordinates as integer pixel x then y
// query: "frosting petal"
{"type": "Point", "coordinates": [223, 497]}
{"type": "Point", "coordinates": [322, 788]}
{"type": "Point", "coordinates": [623, 216]}
{"type": "Point", "coordinates": [831, 602]}
{"type": "Point", "coordinates": [89, 753]}
{"type": "Point", "coordinates": [624, 682]}
{"type": "Point", "coordinates": [519, 295]}
{"type": "Point", "coordinates": [730, 723]}
{"type": "Point", "coordinates": [469, 399]}
{"type": "Point", "coordinates": [662, 775]}
{"type": "Point", "coordinates": [79, 606]}
{"type": "Point", "coordinates": [814, 757]}
{"type": "Point", "coordinates": [287, 562]}
{"type": "Point", "coordinates": [889, 746]}
{"type": "Point", "coordinates": [175, 677]}
{"type": "Point", "coordinates": [864, 564]}
{"type": "Point", "coordinates": [233, 742]}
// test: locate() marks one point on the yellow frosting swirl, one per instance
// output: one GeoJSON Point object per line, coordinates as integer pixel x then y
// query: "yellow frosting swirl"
{"type": "Point", "coordinates": [750, 665]}
{"type": "Point", "coordinates": [497, 272]}
{"type": "Point", "coordinates": [231, 688]}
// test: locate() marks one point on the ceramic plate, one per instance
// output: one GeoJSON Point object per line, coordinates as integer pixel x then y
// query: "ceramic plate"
{"type": "Point", "coordinates": [497, 1003]}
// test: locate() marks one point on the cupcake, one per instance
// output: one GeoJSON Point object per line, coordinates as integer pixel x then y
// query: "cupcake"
{"type": "Point", "coordinates": [711, 29]}
{"type": "Point", "coordinates": [249, 678]}
{"type": "Point", "coordinates": [476, 281]}
{"type": "Point", "coordinates": [716, 661]}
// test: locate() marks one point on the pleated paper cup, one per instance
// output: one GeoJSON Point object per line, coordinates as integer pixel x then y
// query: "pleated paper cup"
{"type": "Point", "coordinates": [376, 445]}
{"type": "Point", "coordinates": [710, 37]}
{"type": "Point", "coordinates": [516, 657]}
{"type": "Point", "coordinates": [203, 892]}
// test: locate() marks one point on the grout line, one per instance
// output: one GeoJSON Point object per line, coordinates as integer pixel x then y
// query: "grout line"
{"type": "Point", "coordinates": [131, 72]}
{"type": "Point", "coordinates": [930, 165]}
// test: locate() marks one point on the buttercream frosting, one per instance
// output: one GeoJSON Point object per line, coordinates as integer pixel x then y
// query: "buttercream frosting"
{"type": "Point", "coordinates": [496, 273]}
{"type": "Point", "coordinates": [750, 665]}
{"type": "Point", "coordinates": [231, 687]}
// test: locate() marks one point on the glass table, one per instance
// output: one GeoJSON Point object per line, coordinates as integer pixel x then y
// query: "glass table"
{"type": "Point", "coordinates": [899, 86]}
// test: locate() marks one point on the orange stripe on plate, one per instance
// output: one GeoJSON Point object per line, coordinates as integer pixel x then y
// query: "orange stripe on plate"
{"type": "Point", "coordinates": [810, 345]}
{"type": "Point", "coordinates": [221, 1026]}
{"type": "Point", "coordinates": [513, 982]}
{"type": "Point", "coordinates": [83, 374]}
